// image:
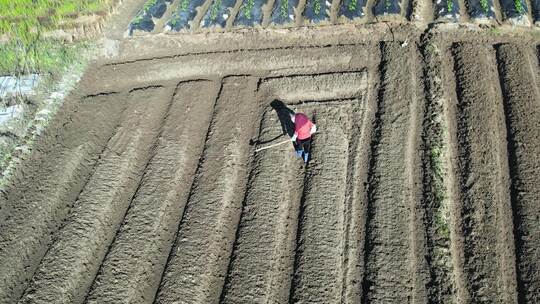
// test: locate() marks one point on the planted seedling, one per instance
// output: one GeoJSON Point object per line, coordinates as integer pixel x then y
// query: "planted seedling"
{"type": "Point", "coordinates": [485, 6]}
{"type": "Point", "coordinates": [214, 10]}
{"type": "Point", "coordinates": [387, 4]}
{"type": "Point", "coordinates": [284, 8]}
{"type": "Point", "coordinates": [174, 21]}
{"type": "Point", "coordinates": [519, 7]}
{"type": "Point", "coordinates": [137, 20]}
{"type": "Point", "coordinates": [248, 6]}
{"type": "Point", "coordinates": [149, 5]}
{"type": "Point", "coordinates": [450, 6]}
{"type": "Point", "coordinates": [352, 5]}
{"type": "Point", "coordinates": [317, 7]}
{"type": "Point", "coordinates": [184, 5]}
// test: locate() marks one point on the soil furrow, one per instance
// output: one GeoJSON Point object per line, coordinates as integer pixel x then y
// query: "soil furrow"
{"type": "Point", "coordinates": [198, 264]}
{"type": "Point", "coordinates": [437, 175]}
{"type": "Point", "coordinates": [48, 186]}
{"type": "Point", "coordinates": [489, 264]}
{"type": "Point", "coordinates": [318, 273]}
{"type": "Point", "coordinates": [517, 68]}
{"type": "Point", "coordinates": [362, 118]}
{"type": "Point", "coordinates": [70, 265]}
{"type": "Point", "coordinates": [263, 257]}
{"type": "Point", "coordinates": [291, 89]}
{"type": "Point", "coordinates": [278, 62]}
{"type": "Point", "coordinates": [133, 267]}
{"type": "Point", "coordinates": [394, 267]}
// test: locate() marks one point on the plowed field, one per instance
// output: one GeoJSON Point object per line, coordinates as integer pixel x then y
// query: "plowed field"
{"type": "Point", "coordinates": [149, 185]}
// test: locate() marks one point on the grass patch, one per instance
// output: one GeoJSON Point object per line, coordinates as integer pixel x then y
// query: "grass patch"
{"type": "Point", "coordinates": [40, 56]}
{"type": "Point", "coordinates": [23, 47]}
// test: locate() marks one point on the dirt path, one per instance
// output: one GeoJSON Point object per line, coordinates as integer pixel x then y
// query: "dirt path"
{"type": "Point", "coordinates": [158, 205]}
{"type": "Point", "coordinates": [517, 66]}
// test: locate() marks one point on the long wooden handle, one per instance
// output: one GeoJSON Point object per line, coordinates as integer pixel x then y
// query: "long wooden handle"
{"type": "Point", "coordinates": [274, 145]}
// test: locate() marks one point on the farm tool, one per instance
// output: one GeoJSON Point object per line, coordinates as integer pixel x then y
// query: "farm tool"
{"type": "Point", "coordinates": [273, 145]}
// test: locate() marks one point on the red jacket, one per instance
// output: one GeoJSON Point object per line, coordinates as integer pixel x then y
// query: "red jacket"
{"type": "Point", "coordinates": [302, 126]}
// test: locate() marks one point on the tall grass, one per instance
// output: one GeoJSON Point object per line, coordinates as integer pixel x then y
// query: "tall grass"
{"type": "Point", "coordinates": [23, 47]}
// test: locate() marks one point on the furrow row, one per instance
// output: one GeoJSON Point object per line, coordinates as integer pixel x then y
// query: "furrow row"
{"type": "Point", "coordinates": [519, 80]}
{"type": "Point", "coordinates": [394, 260]}
{"type": "Point", "coordinates": [196, 270]}
{"type": "Point", "coordinates": [262, 263]}
{"type": "Point", "coordinates": [439, 219]}
{"type": "Point", "coordinates": [318, 263]}
{"type": "Point", "coordinates": [48, 186]}
{"type": "Point", "coordinates": [132, 270]}
{"type": "Point", "coordinates": [72, 261]}
{"type": "Point", "coordinates": [482, 179]}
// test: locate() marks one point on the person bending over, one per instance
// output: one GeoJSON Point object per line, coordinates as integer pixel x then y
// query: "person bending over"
{"type": "Point", "coordinates": [303, 129]}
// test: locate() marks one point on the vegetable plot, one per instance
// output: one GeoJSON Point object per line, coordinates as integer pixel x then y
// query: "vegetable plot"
{"type": "Point", "coordinates": [250, 13]}
{"type": "Point", "coordinates": [513, 8]}
{"type": "Point", "coordinates": [447, 9]}
{"type": "Point", "coordinates": [144, 19]}
{"type": "Point", "coordinates": [218, 13]}
{"type": "Point", "coordinates": [481, 9]}
{"type": "Point", "coordinates": [387, 7]}
{"type": "Point", "coordinates": [352, 9]}
{"type": "Point", "coordinates": [283, 11]}
{"type": "Point", "coordinates": [317, 10]}
{"type": "Point", "coordinates": [184, 14]}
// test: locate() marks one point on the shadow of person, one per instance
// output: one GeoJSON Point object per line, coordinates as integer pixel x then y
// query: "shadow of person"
{"type": "Point", "coordinates": [284, 115]}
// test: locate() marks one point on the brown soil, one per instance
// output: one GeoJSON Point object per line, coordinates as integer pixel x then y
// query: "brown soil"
{"type": "Point", "coordinates": [422, 188]}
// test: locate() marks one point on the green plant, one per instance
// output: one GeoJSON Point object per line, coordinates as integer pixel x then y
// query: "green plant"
{"type": "Point", "coordinates": [519, 6]}
{"type": "Point", "coordinates": [214, 10]}
{"type": "Point", "coordinates": [316, 7]}
{"type": "Point", "coordinates": [248, 6]}
{"type": "Point", "coordinates": [387, 4]}
{"type": "Point", "coordinates": [284, 8]}
{"type": "Point", "coordinates": [352, 5]}
{"type": "Point", "coordinates": [485, 6]}
{"type": "Point", "coordinates": [184, 5]}
{"type": "Point", "coordinates": [148, 5]}
{"type": "Point", "coordinates": [450, 5]}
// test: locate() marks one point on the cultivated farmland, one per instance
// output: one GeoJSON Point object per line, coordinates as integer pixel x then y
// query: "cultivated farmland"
{"type": "Point", "coordinates": [423, 187]}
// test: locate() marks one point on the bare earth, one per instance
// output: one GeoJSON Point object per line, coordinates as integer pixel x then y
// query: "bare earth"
{"type": "Point", "coordinates": [423, 185]}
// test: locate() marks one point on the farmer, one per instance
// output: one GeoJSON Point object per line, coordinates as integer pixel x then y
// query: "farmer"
{"type": "Point", "coordinates": [303, 129]}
